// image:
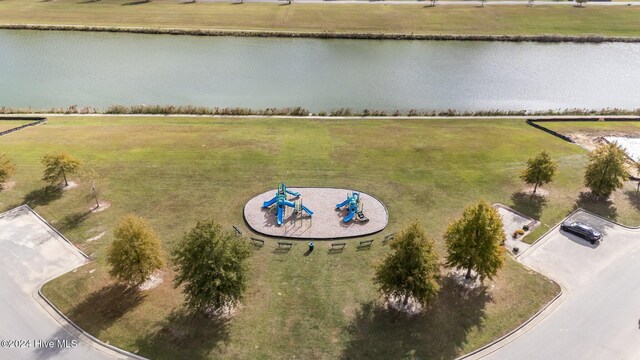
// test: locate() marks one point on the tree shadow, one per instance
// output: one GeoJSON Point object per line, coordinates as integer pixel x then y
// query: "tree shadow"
{"type": "Point", "coordinates": [601, 206]}
{"type": "Point", "coordinates": [64, 345]}
{"type": "Point", "coordinates": [634, 198]}
{"type": "Point", "coordinates": [74, 220]}
{"type": "Point", "coordinates": [438, 333]}
{"type": "Point", "coordinates": [43, 196]}
{"type": "Point", "coordinates": [185, 335]}
{"type": "Point", "coordinates": [103, 307]}
{"type": "Point", "coordinates": [528, 204]}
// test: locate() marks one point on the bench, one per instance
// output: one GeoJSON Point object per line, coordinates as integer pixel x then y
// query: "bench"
{"type": "Point", "coordinates": [338, 245]}
{"type": "Point", "coordinates": [238, 231]}
{"type": "Point", "coordinates": [257, 242]}
{"type": "Point", "coordinates": [366, 243]}
{"type": "Point", "coordinates": [282, 244]}
{"type": "Point", "coordinates": [389, 237]}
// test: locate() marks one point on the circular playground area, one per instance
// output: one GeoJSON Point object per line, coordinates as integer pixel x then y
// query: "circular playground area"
{"type": "Point", "coordinates": [314, 213]}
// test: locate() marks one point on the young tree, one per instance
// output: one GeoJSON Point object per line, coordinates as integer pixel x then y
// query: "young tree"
{"type": "Point", "coordinates": [539, 171]}
{"type": "Point", "coordinates": [95, 192]}
{"type": "Point", "coordinates": [57, 166]}
{"type": "Point", "coordinates": [474, 241]}
{"type": "Point", "coordinates": [135, 253]}
{"type": "Point", "coordinates": [606, 170]}
{"type": "Point", "coordinates": [6, 169]}
{"type": "Point", "coordinates": [411, 270]}
{"type": "Point", "coordinates": [211, 264]}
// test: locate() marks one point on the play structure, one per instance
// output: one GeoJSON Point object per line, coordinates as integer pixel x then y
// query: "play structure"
{"type": "Point", "coordinates": [280, 200]}
{"type": "Point", "coordinates": [355, 207]}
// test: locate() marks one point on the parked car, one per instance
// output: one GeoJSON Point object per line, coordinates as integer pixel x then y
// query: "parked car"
{"type": "Point", "coordinates": [582, 230]}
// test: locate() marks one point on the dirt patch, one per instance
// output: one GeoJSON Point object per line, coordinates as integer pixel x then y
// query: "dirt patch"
{"type": "Point", "coordinates": [7, 186]}
{"type": "Point", "coordinates": [459, 276]}
{"type": "Point", "coordinates": [588, 140]}
{"type": "Point", "coordinates": [224, 312]}
{"type": "Point", "coordinates": [539, 191]}
{"type": "Point", "coordinates": [71, 185]}
{"type": "Point", "coordinates": [104, 205]}
{"type": "Point", "coordinates": [152, 282]}
{"type": "Point", "coordinates": [97, 237]}
{"type": "Point", "coordinates": [412, 307]}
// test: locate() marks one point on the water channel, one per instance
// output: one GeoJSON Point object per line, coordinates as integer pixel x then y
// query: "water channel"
{"type": "Point", "coordinates": [46, 69]}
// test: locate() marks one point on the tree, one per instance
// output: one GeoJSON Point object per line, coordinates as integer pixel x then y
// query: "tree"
{"type": "Point", "coordinates": [211, 264]}
{"type": "Point", "coordinates": [6, 170]}
{"type": "Point", "coordinates": [606, 170]}
{"type": "Point", "coordinates": [135, 253]}
{"type": "Point", "coordinates": [474, 241]}
{"type": "Point", "coordinates": [411, 270]}
{"type": "Point", "coordinates": [539, 171]}
{"type": "Point", "coordinates": [95, 192]}
{"type": "Point", "coordinates": [58, 166]}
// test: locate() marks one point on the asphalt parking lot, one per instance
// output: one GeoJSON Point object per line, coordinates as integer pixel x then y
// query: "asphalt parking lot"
{"type": "Point", "coordinates": [598, 314]}
{"type": "Point", "coordinates": [31, 253]}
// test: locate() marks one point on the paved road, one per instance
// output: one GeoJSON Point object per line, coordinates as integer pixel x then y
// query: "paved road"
{"type": "Point", "coordinates": [598, 315]}
{"type": "Point", "coordinates": [443, 2]}
{"type": "Point", "coordinates": [31, 253]}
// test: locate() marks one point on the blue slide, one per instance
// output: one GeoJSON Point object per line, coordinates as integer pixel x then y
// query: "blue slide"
{"type": "Point", "coordinates": [343, 203]}
{"type": "Point", "coordinates": [266, 204]}
{"type": "Point", "coordinates": [349, 217]}
{"type": "Point", "coordinates": [280, 212]}
{"type": "Point", "coordinates": [307, 210]}
{"type": "Point", "coordinates": [296, 194]}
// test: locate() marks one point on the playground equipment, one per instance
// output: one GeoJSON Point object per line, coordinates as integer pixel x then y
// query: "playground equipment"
{"type": "Point", "coordinates": [280, 200]}
{"type": "Point", "coordinates": [355, 207]}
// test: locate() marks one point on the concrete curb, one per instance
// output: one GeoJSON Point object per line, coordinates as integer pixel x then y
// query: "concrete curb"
{"type": "Point", "coordinates": [61, 318]}
{"type": "Point", "coordinates": [520, 327]}
{"type": "Point", "coordinates": [81, 334]}
{"type": "Point", "coordinates": [536, 316]}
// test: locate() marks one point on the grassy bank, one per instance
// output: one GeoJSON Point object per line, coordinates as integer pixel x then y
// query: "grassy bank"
{"type": "Point", "coordinates": [336, 18]}
{"type": "Point", "coordinates": [299, 111]}
{"type": "Point", "coordinates": [177, 170]}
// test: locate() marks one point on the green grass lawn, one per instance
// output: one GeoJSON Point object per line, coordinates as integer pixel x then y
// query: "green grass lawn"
{"type": "Point", "coordinates": [373, 18]}
{"type": "Point", "coordinates": [595, 128]}
{"type": "Point", "coordinates": [10, 124]}
{"type": "Point", "coordinates": [174, 171]}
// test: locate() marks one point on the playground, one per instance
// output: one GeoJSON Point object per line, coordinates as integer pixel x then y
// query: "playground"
{"type": "Point", "coordinates": [322, 219]}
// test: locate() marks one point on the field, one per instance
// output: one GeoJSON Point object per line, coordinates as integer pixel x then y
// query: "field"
{"type": "Point", "coordinates": [339, 18]}
{"type": "Point", "coordinates": [174, 171]}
